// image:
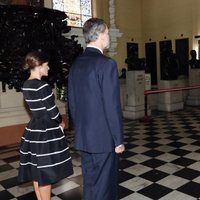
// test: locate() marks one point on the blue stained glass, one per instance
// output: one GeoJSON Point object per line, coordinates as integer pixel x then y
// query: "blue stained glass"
{"type": "Point", "coordinates": [72, 6]}
{"type": "Point", "coordinates": [78, 11]}
{"type": "Point", "coordinates": [85, 18]}
{"type": "Point", "coordinates": [58, 5]}
{"type": "Point", "coordinates": [86, 7]}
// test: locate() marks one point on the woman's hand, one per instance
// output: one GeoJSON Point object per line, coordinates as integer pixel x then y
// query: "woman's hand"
{"type": "Point", "coordinates": [62, 124]}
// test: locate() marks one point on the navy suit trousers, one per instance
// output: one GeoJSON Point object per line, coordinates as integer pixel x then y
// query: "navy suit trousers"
{"type": "Point", "coordinates": [100, 176]}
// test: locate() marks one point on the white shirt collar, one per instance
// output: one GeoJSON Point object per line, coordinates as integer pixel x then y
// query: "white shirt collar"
{"type": "Point", "coordinates": [89, 45]}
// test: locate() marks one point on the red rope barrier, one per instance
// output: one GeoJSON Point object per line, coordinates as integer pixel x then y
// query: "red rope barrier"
{"type": "Point", "coordinates": [147, 92]}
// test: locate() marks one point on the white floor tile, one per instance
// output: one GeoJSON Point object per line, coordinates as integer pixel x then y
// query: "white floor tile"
{"type": "Point", "coordinates": [167, 157]}
{"type": "Point", "coordinates": [64, 187]}
{"type": "Point", "coordinates": [136, 196]}
{"type": "Point", "coordinates": [136, 184]}
{"type": "Point", "coordinates": [137, 169]}
{"type": "Point", "coordinates": [8, 174]}
{"type": "Point", "coordinates": [173, 182]}
{"type": "Point", "coordinates": [139, 158]}
{"type": "Point", "coordinates": [169, 168]}
{"type": "Point", "coordinates": [21, 190]}
{"type": "Point", "coordinates": [175, 195]}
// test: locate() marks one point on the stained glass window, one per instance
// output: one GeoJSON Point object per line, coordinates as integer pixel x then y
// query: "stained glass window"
{"type": "Point", "coordinates": [78, 11]}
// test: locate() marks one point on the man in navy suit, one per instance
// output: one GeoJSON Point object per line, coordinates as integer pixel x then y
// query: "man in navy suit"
{"type": "Point", "coordinates": [94, 104]}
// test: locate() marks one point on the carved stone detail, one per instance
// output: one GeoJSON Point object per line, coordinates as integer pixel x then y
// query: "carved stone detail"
{"type": "Point", "coordinates": [114, 32]}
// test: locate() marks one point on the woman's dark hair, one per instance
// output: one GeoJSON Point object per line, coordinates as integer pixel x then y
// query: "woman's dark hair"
{"type": "Point", "coordinates": [92, 28]}
{"type": "Point", "coordinates": [34, 59]}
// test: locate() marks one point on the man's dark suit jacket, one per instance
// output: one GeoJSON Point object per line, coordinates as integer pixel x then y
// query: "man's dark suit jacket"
{"type": "Point", "coordinates": [94, 102]}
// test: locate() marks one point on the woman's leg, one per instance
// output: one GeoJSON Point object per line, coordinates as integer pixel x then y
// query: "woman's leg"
{"type": "Point", "coordinates": [37, 191]}
{"type": "Point", "coordinates": [45, 192]}
{"type": "Point", "coordinates": [42, 192]}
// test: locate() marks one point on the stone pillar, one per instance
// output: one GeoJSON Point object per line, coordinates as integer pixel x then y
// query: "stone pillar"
{"type": "Point", "coordinates": [194, 95]}
{"type": "Point", "coordinates": [170, 101]}
{"type": "Point", "coordinates": [135, 86]}
{"type": "Point", "coordinates": [114, 32]}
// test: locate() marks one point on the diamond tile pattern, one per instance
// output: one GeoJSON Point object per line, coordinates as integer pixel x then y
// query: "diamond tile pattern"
{"type": "Point", "coordinates": [161, 162]}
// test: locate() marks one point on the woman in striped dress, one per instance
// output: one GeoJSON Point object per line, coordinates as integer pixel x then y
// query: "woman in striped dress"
{"type": "Point", "coordinates": [44, 153]}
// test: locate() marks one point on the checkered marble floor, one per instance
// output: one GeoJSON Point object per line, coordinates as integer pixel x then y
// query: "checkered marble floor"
{"type": "Point", "coordinates": [161, 162]}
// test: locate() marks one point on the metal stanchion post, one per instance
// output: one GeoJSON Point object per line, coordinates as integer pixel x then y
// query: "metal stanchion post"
{"type": "Point", "coordinates": [146, 118]}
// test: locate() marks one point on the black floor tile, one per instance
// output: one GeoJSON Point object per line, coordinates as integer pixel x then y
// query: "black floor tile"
{"type": "Point", "coordinates": [183, 161]}
{"type": "Point", "coordinates": [8, 183]}
{"type": "Point", "coordinates": [197, 143]}
{"type": "Point", "coordinates": [130, 146]}
{"type": "Point", "coordinates": [5, 195]}
{"type": "Point", "coordinates": [176, 144]}
{"type": "Point", "coordinates": [152, 145]}
{"type": "Point", "coordinates": [123, 164]}
{"type": "Point", "coordinates": [11, 159]}
{"type": "Point", "coordinates": [153, 163]}
{"type": "Point", "coordinates": [191, 188]}
{"type": "Point", "coordinates": [127, 154]}
{"type": "Point", "coordinates": [174, 137]}
{"type": "Point", "coordinates": [123, 192]}
{"type": "Point", "coordinates": [188, 173]}
{"type": "Point", "coordinates": [154, 175]}
{"type": "Point", "coordinates": [77, 179]}
{"type": "Point", "coordinates": [74, 194]}
{"type": "Point", "coordinates": [5, 167]}
{"type": "Point", "coordinates": [124, 176]}
{"type": "Point", "coordinates": [155, 191]}
{"type": "Point", "coordinates": [29, 196]}
{"type": "Point", "coordinates": [179, 152]}
{"type": "Point", "coordinates": [153, 153]}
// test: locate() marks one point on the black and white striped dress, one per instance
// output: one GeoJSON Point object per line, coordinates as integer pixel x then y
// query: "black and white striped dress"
{"type": "Point", "coordinates": [44, 153]}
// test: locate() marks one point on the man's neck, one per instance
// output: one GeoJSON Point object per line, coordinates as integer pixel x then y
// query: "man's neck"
{"type": "Point", "coordinates": [95, 46]}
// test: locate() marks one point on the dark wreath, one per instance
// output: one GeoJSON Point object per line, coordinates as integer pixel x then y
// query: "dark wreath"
{"type": "Point", "coordinates": [26, 28]}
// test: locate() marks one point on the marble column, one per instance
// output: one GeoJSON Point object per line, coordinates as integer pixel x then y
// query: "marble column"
{"type": "Point", "coordinates": [114, 32]}
{"type": "Point", "coordinates": [170, 101]}
{"type": "Point", "coordinates": [135, 86]}
{"type": "Point", "coordinates": [194, 95]}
